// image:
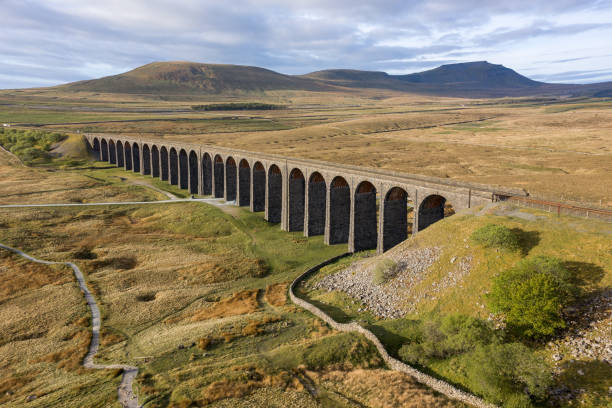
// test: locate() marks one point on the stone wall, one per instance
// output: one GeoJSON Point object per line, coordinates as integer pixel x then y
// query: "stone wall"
{"type": "Point", "coordinates": [339, 214]}
{"type": "Point", "coordinates": [366, 227]}
{"type": "Point", "coordinates": [275, 203]}
{"type": "Point", "coordinates": [244, 180]}
{"type": "Point", "coordinates": [395, 228]}
{"type": "Point", "coordinates": [230, 183]}
{"type": "Point", "coordinates": [259, 190]}
{"type": "Point", "coordinates": [296, 203]}
{"type": "Point", "coordinates": [393, 363]}
{"type": "Point", "coordinates": [316, 208]}
{"type": "Point", "coordinates": [219, 179]}
{"type": "Point", "coordinates": [206, 176]}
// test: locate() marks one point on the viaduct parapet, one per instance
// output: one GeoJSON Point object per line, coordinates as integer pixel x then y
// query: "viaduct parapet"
{"type": "Point", "coordinates": [366, 208]}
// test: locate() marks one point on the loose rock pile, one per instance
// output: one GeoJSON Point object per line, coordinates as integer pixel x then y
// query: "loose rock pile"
{"type": "Point", "coordinates": [386, 300]}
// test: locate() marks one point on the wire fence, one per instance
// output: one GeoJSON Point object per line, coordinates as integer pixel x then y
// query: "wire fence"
{"type": "Point", "coordinates": [563, 208]}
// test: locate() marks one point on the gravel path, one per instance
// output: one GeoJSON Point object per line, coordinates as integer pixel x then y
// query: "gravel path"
{"type": "Point", "coordinates": [125, 393]}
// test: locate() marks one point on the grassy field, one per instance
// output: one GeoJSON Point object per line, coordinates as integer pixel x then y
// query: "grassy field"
{"type": "Point", "coordinates": [553, 149]}
{"type": "Point", "coordinates": [194, 295]}
{"type": "Point", "coordinates": [584, 246]}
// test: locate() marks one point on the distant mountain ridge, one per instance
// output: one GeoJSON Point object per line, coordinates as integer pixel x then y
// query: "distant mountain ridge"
{"type": "Point", "coordinates": [470, 79]}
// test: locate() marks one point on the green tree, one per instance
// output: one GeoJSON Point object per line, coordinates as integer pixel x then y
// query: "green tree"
{"type": "Point", "coordinates": [496, 236]}
{"type": "Point", "coordinates": [532, 295]}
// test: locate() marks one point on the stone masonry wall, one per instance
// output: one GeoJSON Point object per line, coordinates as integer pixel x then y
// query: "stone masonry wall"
{"type": "Point", "coordinates": [316, 208]}
{"type": "Point", "coordinates": [296, 204]}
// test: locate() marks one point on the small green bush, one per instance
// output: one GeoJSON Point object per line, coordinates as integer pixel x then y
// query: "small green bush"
{"type": "Point", "coordinates": [532, 295]}
{"type": "Point", "coordinates": [384, 270]}
{"type": "Point", "coordinates": [501, 372]}
{"type": "Point", "coordinates": [496, 236]}
{"type": "Point", "coordinates": [443, 337]}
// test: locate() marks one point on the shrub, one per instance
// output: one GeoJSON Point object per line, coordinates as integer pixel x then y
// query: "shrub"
{"type": "Point", "coordinates": [384, 270]}
{"type": "Point", "coordinates": [532, 296]}
{"type": "Point", "coordinates": [501, 372]}
{"type": "Point", "coordinates": [496, 236]}
{"type": "Point", "coordinates": [444, 337]}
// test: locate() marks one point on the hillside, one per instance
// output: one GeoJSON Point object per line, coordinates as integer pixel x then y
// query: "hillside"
{"type": "Point", "coordinates": [471, 79]}
{"type": "Point", "coordinates": [188, 77]}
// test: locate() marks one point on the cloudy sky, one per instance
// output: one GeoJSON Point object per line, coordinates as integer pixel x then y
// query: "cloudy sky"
{"type": "Point", "coordinates": [48, 42]}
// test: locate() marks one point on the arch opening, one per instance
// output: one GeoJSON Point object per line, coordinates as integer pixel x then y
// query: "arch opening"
{"type": "Point", "coordinates": [317, 196]}
{"type": "Point", "coordinates": [112, 152]}
{"type": "Point", "coordinates": [206, 174]}
{"type": "Point", "coordinates": [297, 198]}
{"type": "Point", "coordinates": [183, 170]}
{"type": "Point", "coordinates": [104, 149]}
{"type": "Point", "coordinates": [120, 155]}
{"type": "Point", "coordinates": [230, 179]}
{"type": "Point", "coordinates": [219, 177]}
{"type": "Point", "coordinates": [275, 194]}
{"type": "Point", "coordinates": [259, 187]}
{"type": "Point", "coordinates": [193, 172]}
{"type": "Point", "coordinates": [163, 153]}
{"type": "Point", "coordinates": [146, 160]}
{"type": "Point", "coordinates": [174, 167]}
{"type": "Point", "coordinates": [244, 183]}
{"type": "Point", "coordinates": [136, 154]}
{"type": "Point", "coordinates": [128, 156]}
{"type": "Point", "coordinates": [155, 161]}
{"type": "Point", "coordinates": [365, 225]}
{"type": "Point", "coordinates": [432, 209]}
{"type": "Point", "coordinates": [95, 149]}
{"type": "Point", "coordinates": [339, 211]}
{"type": "Point", "coordinates": [395, 218]}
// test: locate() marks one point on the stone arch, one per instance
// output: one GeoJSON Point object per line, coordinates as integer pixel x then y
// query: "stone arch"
{"type": "Point", "coordinates": [146, 159]}
{"type": "Point", "coordinates": [259, 187]}
{"type": "Point", "coordinates": [165, 161]}
{"type": "Point", "coordinates": [297, 198]}
{"type": "Point", "coordinates": [174, 167]}
{"type": "Point", "coordinates": [432, 209]}
{"type": "Point", "coordinates": [207, 174]}
{"type": "Point", "coordinates": [104, 149]}
{"type": "Point", "coordinates": [244, 183]}
{"type": "Point", "coordinates": [365, 225]}
{"type": "Point", "coordinates": [183, 170]}
{"type": "Point", "coordinates": [128, 155]}
{"type": "Point", "coordinates": [230, 179]}
{"type": "Point", "coordinates": [112, 152]}
{"type": "Point", "coordinates": [95, 147]}
{"type": "Point", "coordinates": [219, 176]}
{"type": "Point", "coordinates": [339, 211]}
{"type": "Point", "coordinates": [193, 172]}
{"type": "Point", "coordinates": [317, 197]}
{"type": "Point", "coordinates": [136, 154]}
{"type": "Point", "coordinates": [275, 194]}
{"type": "Point", "coordinates": [120, 154]}
{"type": "Point", "coordinates": [395, 218]}
{"type": "Point", "coordinates": [155, 161]}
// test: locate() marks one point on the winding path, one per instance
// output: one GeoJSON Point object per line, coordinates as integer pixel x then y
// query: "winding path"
{"type": "Point", "coordinates": [436, 384]}
{"type": "Point", "coordinates": [125, 393]}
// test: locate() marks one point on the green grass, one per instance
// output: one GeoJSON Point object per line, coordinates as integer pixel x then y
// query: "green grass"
{"type": "Point", "coordinates": [583, 246]}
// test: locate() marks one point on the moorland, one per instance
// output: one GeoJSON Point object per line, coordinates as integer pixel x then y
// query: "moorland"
{"type": "Point", "coordinates": [195, 293]}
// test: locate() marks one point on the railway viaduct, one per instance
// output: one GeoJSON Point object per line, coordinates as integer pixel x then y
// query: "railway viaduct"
{"type": "Point", "coordinates": [364, 207]}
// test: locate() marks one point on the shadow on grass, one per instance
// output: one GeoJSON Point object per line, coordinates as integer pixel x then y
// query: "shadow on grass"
{"type": "Point", "coordinates": [527, 239]}
{"type": "Point", "coordinates": [585, 274]}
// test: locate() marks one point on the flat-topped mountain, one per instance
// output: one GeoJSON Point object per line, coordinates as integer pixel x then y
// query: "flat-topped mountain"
{"type": "Point", "coordinates": [190, 77]}
{"type": "Point", "coordinates": [471, 79]}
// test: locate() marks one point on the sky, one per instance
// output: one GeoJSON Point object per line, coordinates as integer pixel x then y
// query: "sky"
{"type": "Point", "coordinates": [49, 42]}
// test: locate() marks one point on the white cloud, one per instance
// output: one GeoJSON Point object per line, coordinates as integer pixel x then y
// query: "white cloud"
{"type": "Point", "coordinates": [66, 40]}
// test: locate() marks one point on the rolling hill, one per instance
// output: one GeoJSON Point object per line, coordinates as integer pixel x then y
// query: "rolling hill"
{"type": "Point", "coordinates": [471, 79]}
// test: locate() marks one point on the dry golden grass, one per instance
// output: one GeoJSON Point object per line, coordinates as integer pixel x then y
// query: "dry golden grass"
{"type": "Point", "coordinates": [239, 303]}
{"type": "Point", "coordinates": [276, 294]}
{"type": "Point", "coordinates": [382, 389]}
